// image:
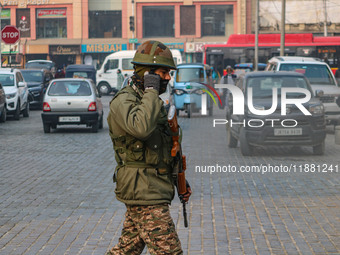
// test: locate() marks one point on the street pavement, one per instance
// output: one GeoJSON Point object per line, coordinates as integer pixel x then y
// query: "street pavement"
{"type": "Point", "coordinates": [57, 194]}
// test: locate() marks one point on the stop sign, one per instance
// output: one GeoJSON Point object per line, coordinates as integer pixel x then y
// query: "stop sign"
{"type": "Point", "coordinates": [10, 34]}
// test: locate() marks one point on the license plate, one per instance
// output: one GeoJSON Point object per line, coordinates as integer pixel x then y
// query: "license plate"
{"type": "Point", "coordinates": [69, 119]}
{"type": "Point", "coordinates": [287, 131]}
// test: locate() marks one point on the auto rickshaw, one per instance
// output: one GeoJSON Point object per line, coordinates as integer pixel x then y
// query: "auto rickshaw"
{"type": "Point", "coordinates": [190, 86]}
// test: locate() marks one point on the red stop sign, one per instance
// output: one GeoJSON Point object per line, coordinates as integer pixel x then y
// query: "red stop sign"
{"type": "Point", "coordinates": [10, 34]}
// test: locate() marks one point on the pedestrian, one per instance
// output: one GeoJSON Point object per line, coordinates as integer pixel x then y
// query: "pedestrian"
{"type": "Point", "coordinates": [229, 78]}
{"type": "Point", "coordinates": [142, 143]}
{"type": "Point", "coordinates": [120, 79]}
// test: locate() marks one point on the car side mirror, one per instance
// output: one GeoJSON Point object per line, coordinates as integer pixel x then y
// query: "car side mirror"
{"type": "Point", "coordinates": [21, 84]}
{"type": "Point", "coordinates": [319, 93]}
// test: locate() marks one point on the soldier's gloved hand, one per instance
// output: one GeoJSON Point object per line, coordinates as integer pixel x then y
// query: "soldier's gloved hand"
{"type": "Point", "coordinates": [187, 195]}
{"type": "Point", "coordinates": [152, 81]}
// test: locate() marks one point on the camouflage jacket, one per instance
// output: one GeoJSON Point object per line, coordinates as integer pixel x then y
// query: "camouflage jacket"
{"type": "Point", "coordinates": [142, 143]}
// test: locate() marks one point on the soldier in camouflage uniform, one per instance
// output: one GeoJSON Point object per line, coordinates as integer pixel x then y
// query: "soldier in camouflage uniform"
{"type": "Point", "coordinates": [142, 143]}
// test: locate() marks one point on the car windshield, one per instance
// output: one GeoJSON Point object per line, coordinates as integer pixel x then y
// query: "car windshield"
{"type": "Point", "coordinates": [263, 86]}
{"type": "Point", "coordinates": [316, 74]}
{"type": "Point", "coordinates": [7, 79]}
{"type": "Point", "coordinates": [40, 65]}
{"type": "Point", "coordinates": [70, 88]}
{"type": "Point", "coordinates": [190, 74]}
{"type": "Point", "coordinates": [32, 76]}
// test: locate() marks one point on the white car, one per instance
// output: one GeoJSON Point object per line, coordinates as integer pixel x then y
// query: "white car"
{"type": "Point", "coordinates": [320, 77]}
{"type": "Point", "coordinates": [72, 101]}
{"type": "Point", "coordinates": [16, 91]}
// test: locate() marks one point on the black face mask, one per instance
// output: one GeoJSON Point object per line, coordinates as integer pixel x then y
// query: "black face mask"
{"type": "Point", "coordinates": [163, 85]}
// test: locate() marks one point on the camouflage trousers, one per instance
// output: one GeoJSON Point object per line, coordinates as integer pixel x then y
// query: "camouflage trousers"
{"type": "Point", "coordinates": [149, 225]}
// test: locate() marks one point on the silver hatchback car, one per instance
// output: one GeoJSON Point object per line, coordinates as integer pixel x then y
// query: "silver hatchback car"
{"type": "Point", "coordinates": [72, 101]}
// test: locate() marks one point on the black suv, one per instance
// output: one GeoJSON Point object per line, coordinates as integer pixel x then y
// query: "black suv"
{"type": "Point", "coordinates": [290, 127]}
{"type": "Point", "coordinates": [37, 82]}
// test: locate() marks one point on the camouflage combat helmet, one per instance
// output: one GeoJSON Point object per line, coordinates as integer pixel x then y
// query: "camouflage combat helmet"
{"type": "Point", "coordinates": [154, 53]}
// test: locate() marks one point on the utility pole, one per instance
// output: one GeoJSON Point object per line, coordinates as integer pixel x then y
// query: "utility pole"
{"type": "Point", "coordinates": [256, 53]}
{"type": "Point", "coordinates": [283, 27]}
{"type": "Point", "coordinates": [325, 21]}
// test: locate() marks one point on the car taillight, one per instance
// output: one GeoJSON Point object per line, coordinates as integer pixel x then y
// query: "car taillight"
{"type": "Point", "coordinates": [46, 107]}
{"type": "Point", "coordinates": [92, 106]}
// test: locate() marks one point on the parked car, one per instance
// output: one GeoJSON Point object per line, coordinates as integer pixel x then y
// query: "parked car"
{"type": "Point", "coordinates": [16, 91]}
{"type": "Point", "coordinates": [37, 81]}
{"type": "Point", "coordinates": [72, 101]}
{"type": "Point", "coordinates": [81, 71]}
{"type": "Point", "coordinates": [320, 77]}
{"type": "Point", "coordinates": [188, 87]}
{"type": "Point", "coordinates": [41, 64]}
{"type": "Point", "coordinates": [3, 111]}
{"type": "Point", "coordinates": [294, 128]}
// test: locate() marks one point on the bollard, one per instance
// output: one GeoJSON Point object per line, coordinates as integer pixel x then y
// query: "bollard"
{"type": "Point", "coordinates": [337, 135]}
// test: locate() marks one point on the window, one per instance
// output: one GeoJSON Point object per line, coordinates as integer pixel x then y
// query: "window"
{"type": "Point", "coordinates": [51, 23]}
{"type": "Point", "coordinates": [105, 24]}
{"type": "Point", "coordinates": [5, 17]}
{"type": "Point", "coordinates": [316, 74]}
{"type": "Point", "coordinates": [158, 21]}
{"type": "Point", "coordinates": [188, 17]}
{"type": "Point", "coordinates": [215, 18]}
{"type": "Point", "coordinates": [126, 64]}
{"type": "Point", "coordinates": [112, 64]}
{"type": "Point", "coordinates": [190, 74]}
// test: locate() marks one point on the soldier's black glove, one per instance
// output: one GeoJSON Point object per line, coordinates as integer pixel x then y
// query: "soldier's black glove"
{"type": "Point", "coordinates": [152, 81]}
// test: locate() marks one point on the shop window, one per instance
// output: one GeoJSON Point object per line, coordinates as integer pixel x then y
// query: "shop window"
{"type": "Point", "coordinates": [215, 19]}
{"type": "Point", "coordinates": [188, 18]}
{"type": "Point", "coordinates": [105, 24]}
{"type": "Point", "coordinates": [51, 23]}
{"type": "Point", "coordinates": [158, 21]}
{"type": "Point", "coordinates": [5, 17]}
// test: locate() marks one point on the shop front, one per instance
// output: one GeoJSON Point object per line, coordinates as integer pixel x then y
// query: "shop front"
{"type": "Point", "coordinates": [64, 55]}
{"type": "Point", "coordinates": [95, 53]}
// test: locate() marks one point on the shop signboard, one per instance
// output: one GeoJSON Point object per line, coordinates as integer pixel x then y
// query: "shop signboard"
{"type": "Point", "coordinates": [102, 48]}
{"type": "Point", "coordinates": [64, 49]}
{"type": "Point", "coordinates": [51, 13]}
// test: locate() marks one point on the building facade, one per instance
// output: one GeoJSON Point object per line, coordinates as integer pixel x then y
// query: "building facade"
{"type": "Point", "coordinates": [86, 31]}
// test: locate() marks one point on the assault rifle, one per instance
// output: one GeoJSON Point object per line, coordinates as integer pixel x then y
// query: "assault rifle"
{"type": "Point", "coordinates": [180, 162]}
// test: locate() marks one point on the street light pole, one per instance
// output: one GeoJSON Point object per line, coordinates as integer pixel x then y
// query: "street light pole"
{"type": "Point", "coordinates": [256, 53]}
{"type": "Point", "coordinates": [283, 27]}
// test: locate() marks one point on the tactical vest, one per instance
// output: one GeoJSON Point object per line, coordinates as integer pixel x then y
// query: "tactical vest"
{"type": "Point", "coordinates": [148, 163]}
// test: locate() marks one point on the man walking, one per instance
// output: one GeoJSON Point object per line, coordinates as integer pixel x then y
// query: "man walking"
{"type": "Point", "coordinates": [142, 143]}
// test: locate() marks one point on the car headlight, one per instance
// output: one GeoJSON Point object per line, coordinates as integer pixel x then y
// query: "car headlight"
{"type": "Point", "coordinates": [12, 95]}
{"type": "Point", "coordinates": [179, 92]}
{"type": "Point", "coordinates": [199, 91]}
{"type": "Point", "coordinates": [316, 109]}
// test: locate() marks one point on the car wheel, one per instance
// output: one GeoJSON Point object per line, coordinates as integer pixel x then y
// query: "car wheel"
{"type": "Point", "coordinates": [246, 148]}
{"type": "Point", "coordinates": [232, 141]}
{"type": "Point", "coordinates": [95, 127]}
{"type": "Point", "coordinates": [319, 149]}
{"type": "Point", "coordinates": [101, 121]}
{"type": "Point", "coordinates": [26, 111]}
{"type": "Point", "coordinates": [47, 127]}
{"type": "Point", "coordinates": [104, 88]}
{"type": "Point", "coordinates": [17, 111]}
{"type": "Point", "coordinates": [3, 115]}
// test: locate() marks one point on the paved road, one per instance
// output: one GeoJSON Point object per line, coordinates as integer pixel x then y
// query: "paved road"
{"type": "Point", "coordinates": [57, 196]}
